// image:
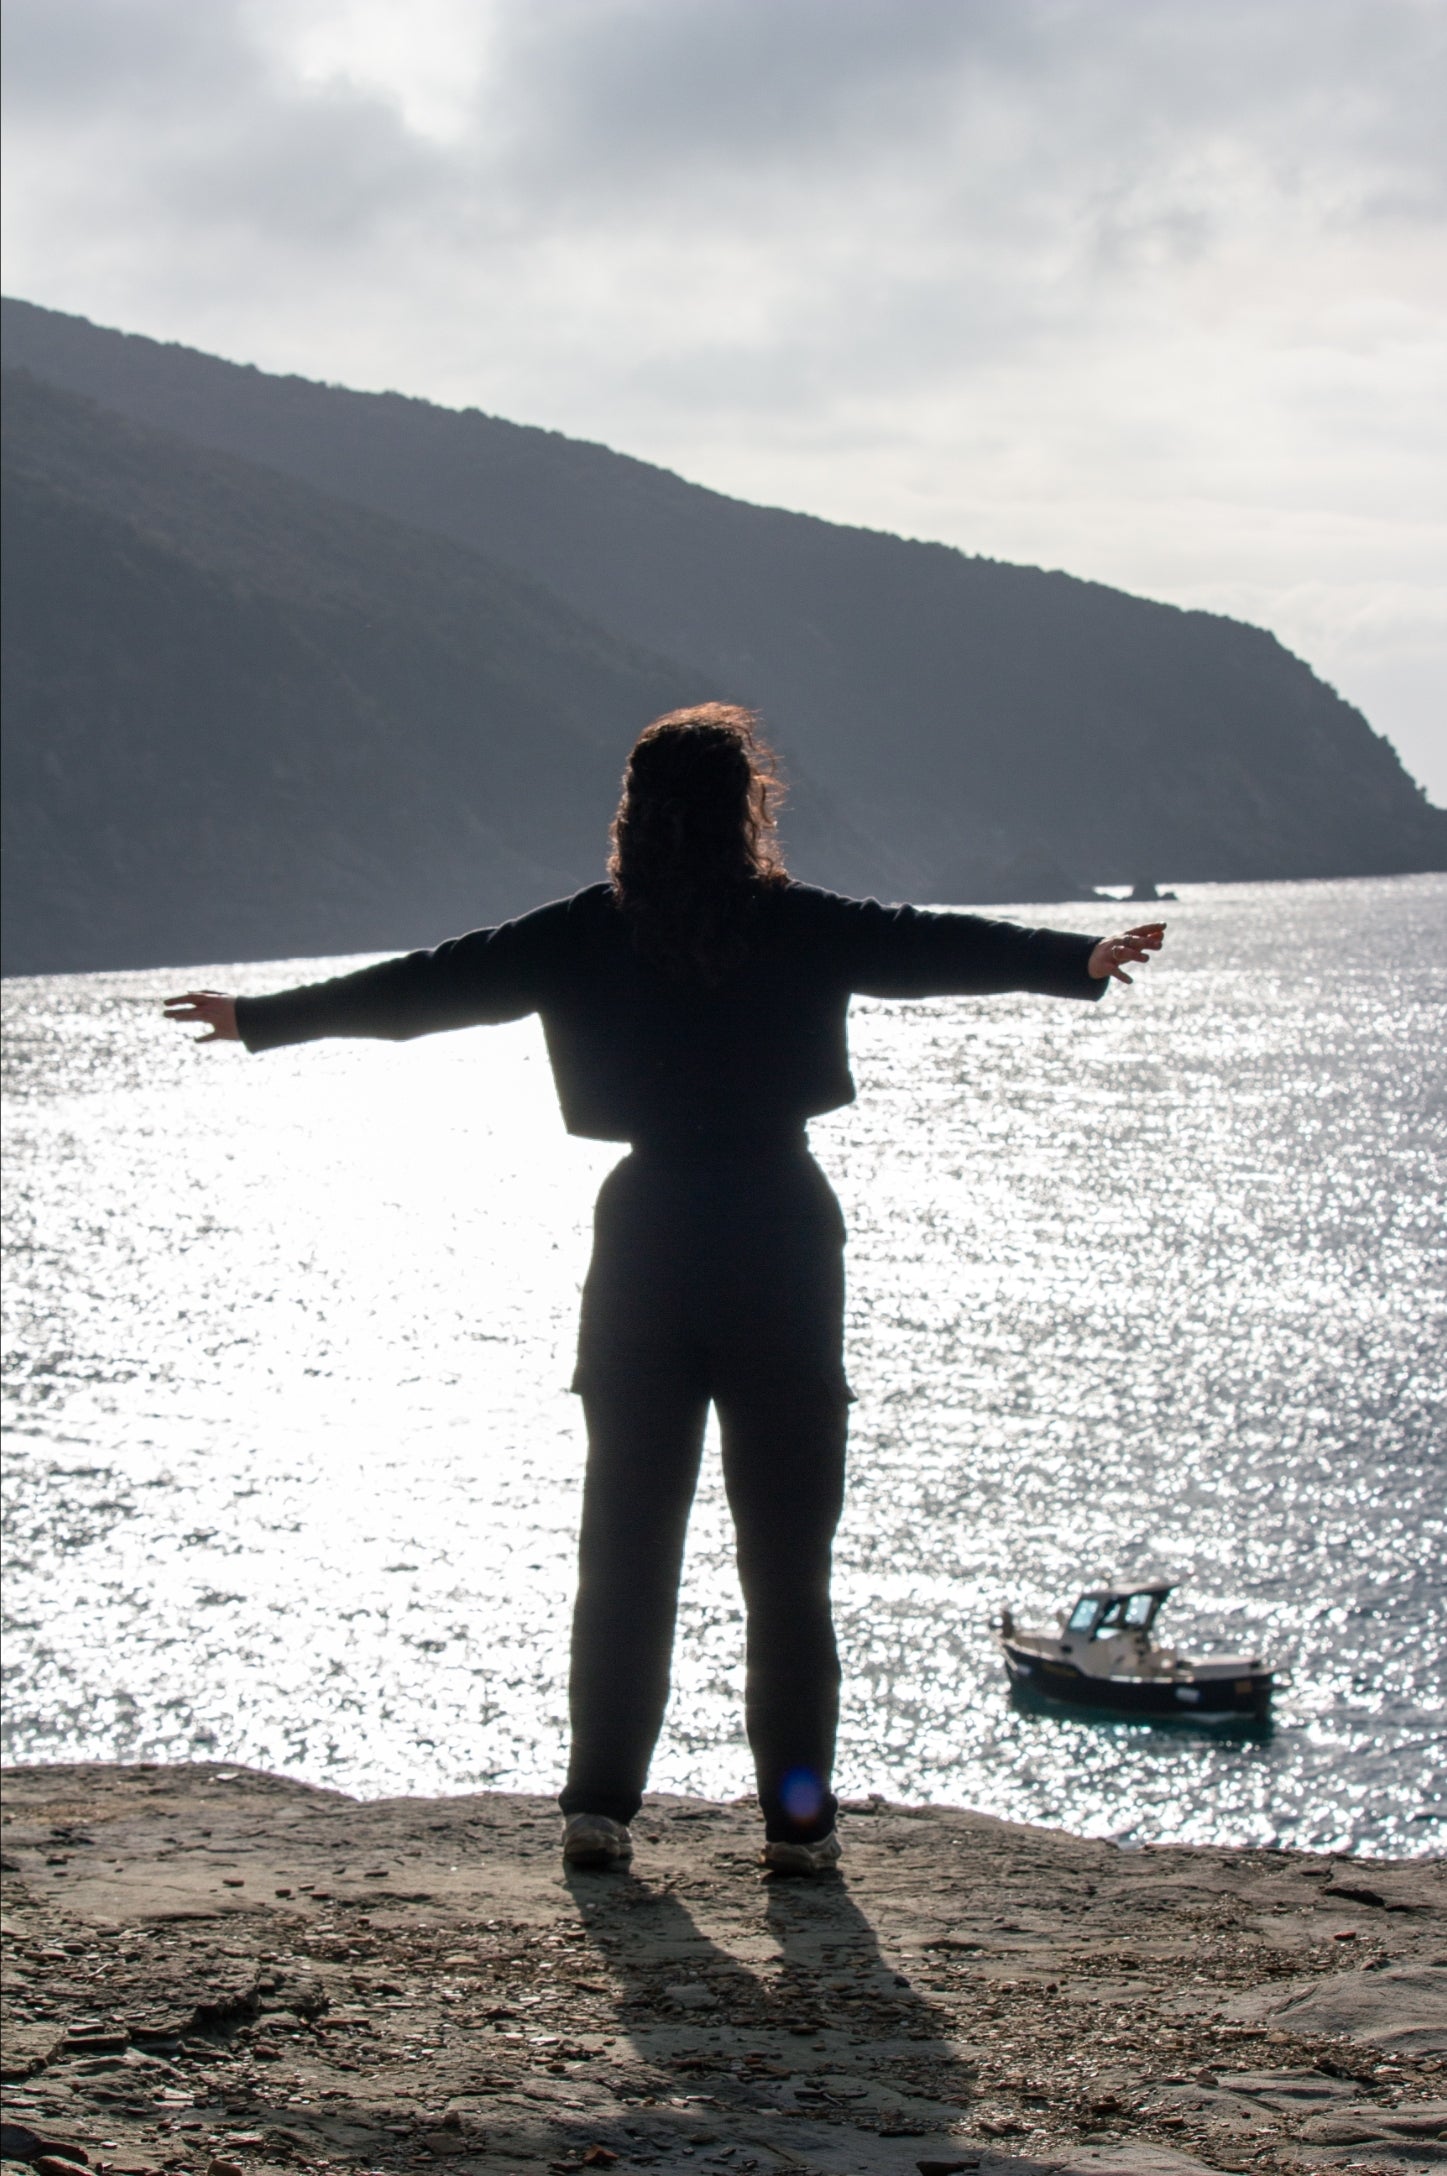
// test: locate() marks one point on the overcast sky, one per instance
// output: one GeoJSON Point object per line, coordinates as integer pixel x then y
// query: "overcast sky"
{"type": "Point", "coordinates": [1154, 290]}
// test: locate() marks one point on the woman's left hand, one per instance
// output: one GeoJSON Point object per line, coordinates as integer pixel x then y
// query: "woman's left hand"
{"type": "Point", "coordinates": [1111, 954]}
{"type": "Point", "coordinates": [214, 1010]}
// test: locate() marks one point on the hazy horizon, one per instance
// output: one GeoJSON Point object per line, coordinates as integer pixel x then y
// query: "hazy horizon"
{"type": "Point", "coordinates": [1152, 297]}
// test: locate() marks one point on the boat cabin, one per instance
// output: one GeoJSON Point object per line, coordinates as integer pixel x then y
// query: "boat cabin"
{"type": "Point", "coordinates": [1103, 1657]}
{"type": "Point", "coordinates": [1107, 1612]}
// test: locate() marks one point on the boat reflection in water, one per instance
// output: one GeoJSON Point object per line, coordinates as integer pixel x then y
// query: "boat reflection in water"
{"type": "Point", "coordinates": [1104, 1659]}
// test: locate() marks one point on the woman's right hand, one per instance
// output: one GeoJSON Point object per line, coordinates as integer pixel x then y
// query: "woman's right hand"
{"type": "Point", "coordinates": [211, 1009]}
{"type": "Point", "coordinates": [1110, 955]}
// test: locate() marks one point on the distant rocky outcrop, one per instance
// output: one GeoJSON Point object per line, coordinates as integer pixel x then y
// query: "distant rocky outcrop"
{"type": "Point", "coordinates": [958, 729]}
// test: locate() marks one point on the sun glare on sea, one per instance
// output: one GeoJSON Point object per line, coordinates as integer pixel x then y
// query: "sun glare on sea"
{"type": "Point", "coordinates": [295, 1470]}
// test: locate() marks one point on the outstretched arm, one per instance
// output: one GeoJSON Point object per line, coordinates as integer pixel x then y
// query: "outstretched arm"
{"type": "Point", "coordinates": [209, 1009]}
{"type": "Point", "coordinates": [488, 976]}
{"type": "Point", "coordinates": [925, 952]}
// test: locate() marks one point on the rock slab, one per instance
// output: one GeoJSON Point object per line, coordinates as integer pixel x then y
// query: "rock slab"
{"type": "Point", "coordinates": [208, 1969]}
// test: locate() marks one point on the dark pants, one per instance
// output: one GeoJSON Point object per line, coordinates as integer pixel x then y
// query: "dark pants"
{"type": "Point", "coordinates": [714, 1278]}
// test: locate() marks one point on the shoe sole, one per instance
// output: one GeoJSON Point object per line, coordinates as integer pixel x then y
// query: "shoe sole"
{"type": "Point", "coordinates": [793, 1861]}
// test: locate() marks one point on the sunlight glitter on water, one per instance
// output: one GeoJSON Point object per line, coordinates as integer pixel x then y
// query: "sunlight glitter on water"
{"type": "Point", "coordinates": [294, 1471]}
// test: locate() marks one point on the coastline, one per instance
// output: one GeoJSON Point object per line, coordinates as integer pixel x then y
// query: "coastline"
{"type": "Point", "coordinates": [212, 1969]}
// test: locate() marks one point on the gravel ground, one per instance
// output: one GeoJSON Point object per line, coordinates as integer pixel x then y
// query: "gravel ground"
{"type": "Point", "coordinates": [218, 1971]}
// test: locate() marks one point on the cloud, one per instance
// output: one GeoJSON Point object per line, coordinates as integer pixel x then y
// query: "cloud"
{"type": "Point", "coordinates": [1153, 292]}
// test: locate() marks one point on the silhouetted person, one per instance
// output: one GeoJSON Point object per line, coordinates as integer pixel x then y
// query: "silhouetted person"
{"type": "Point", "coordinates": [695, 1006]}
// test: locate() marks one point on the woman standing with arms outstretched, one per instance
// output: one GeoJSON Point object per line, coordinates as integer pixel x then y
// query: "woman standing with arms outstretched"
{"type": "Point", "coordinates": [695, 1006]}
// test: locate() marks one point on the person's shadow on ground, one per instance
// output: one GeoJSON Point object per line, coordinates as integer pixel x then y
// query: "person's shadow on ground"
{"type": "Point", "coordinates": [801, 2014]}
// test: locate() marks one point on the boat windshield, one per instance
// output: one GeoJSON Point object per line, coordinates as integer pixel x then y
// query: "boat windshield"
{"type": "Point", "coordinates": [1100, 1614]}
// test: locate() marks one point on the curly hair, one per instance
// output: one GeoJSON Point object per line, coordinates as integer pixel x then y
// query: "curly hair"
{"type": "Point", "coordinates": [694, 839]}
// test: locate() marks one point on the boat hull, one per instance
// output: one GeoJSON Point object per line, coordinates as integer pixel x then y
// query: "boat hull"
{"type": "Point", "coordinates": [1186, 1697]}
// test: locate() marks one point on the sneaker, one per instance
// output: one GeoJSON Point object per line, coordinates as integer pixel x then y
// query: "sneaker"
{"type": "Point", "coordinates": [816, 1858]}
{"type": "Point", "coordinates": [591, 1839]}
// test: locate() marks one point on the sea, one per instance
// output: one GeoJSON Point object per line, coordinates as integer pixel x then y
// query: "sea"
{"type": "Point", "coordinates": [1153, 1287]}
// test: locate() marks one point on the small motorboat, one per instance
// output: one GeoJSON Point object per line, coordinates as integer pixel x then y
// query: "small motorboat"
{"type": "Point", "coordinates": [1103, 1656]}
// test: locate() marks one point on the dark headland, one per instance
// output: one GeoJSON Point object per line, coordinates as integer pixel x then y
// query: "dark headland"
{"type": "Point", "coordinates": [291, 669]}
{"type": "Point", "coordinates": [215, 1970]}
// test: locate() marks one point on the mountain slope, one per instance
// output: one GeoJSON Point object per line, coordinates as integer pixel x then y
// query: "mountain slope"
{"type": "Point", "coordinates": [970, 717]}
{"type": "Point", "coordinates": [243, 719]}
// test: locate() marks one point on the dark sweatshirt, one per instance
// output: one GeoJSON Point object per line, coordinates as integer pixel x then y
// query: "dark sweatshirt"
{"type": "Point", "coordinates": [639, 1055]}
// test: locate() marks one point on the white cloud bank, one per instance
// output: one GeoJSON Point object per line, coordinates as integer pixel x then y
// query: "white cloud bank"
{"type": "Point", "coordinates": [1149, 289]}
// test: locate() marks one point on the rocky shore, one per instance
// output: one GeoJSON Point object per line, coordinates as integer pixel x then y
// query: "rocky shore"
{"type": "Point", "coordinates": [211, 1970]}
